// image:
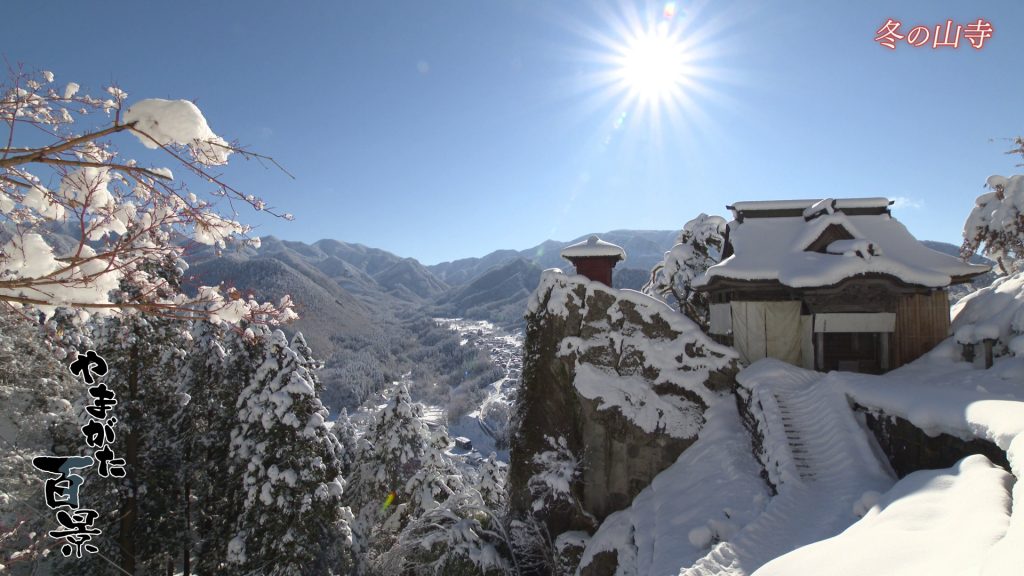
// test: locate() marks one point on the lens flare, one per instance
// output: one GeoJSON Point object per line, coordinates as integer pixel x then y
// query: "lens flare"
{"type": "Point", "coordinates": [670, 11]}
{"type": "Point", "coordinates": [388, 501]}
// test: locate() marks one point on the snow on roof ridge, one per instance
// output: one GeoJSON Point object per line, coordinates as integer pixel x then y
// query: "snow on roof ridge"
{"type": "Point", "coordinates": [593, 247]}
{"type": "Point", "coordinates": [857, 247]}
{"type": "Point", "coordinates": [774, 249]}
{"type": "Point", "coordinates": [814, 229]}
{"type": "Point", "coordinates": [840, 203]}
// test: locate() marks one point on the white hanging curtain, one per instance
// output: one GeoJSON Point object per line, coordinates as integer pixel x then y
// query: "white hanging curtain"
{"type": "Point", "coordinates": [767, 330]}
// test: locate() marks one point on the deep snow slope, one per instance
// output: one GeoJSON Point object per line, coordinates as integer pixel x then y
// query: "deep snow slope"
{"type": "Point", "coordinates": [817, 455]}
{"type": "Point", "coordinates": [712, 490]}
{"type": "Point", "coordinates": [932, 522]}
{"type": "Point", "coordinates": [940, 396]}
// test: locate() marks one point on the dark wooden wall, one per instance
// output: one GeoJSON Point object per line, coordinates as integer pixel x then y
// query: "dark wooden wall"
{"type": "Point", "coordinates": [598, 269]}
{"type": "Point", "coordinates": [922, 321]}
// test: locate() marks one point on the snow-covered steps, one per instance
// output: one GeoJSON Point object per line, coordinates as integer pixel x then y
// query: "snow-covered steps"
{"type": "Point", "coordinates": [818, 456]}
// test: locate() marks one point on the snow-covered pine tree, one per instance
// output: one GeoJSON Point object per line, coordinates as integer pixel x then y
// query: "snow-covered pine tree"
{"type": "Point", "coordinates": [67, 333]}
{"type": "Point", "coordinates": [35, 417]}
{"type": "Point", "coordinates": [345, 431]}
{"type": "Point", "coordinates": [142, 513]}
{"type": "Point", "coordinates": [219, 491]}
{"type": "Point", "coordinates": [312, 365]}
{"type": "Point", "coordinates": [463, 535]}
{"type": "Point", "coordinates": [996, 224]}
{"type": "Point", "coordinates": [491, 484]}
{"type": "Point", "coordinates": [204, 429]}
{"type": "Point", "coordinates": [292, 521]}
{"type": "Point", "coordinates": [438, 478]}
{"type": "Point", "coordinates": [401, 473]}
{"type": "Point", "coordinates": [699, 245]}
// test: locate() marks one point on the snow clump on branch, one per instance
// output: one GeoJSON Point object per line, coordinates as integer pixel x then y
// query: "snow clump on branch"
{"type": "Point", "coordinates": [160, 122]}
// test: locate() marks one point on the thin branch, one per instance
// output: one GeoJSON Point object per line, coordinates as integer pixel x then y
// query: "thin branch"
{"type": "Point", "coordinates": [124, 167]}
{"type": "Point", "coordinates": [63, 146]}
{"type": "Point", "coordinates": [197, 168]}
{"type": "Point", "coordinates": [15, 182]}
{"type": "Point", "coordinates": [157, 309]}
{"type": "Point", "coordinates": [249, 154]}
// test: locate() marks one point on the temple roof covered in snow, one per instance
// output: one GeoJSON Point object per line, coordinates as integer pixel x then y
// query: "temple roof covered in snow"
{"type": "Point", "coordinates": [808, 243]}
{"type": "Point", "coordinates": [593, 247]}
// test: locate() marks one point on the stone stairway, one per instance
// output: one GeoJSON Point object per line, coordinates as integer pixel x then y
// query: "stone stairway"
{"type": "Point", "coordinates": [824, 464]}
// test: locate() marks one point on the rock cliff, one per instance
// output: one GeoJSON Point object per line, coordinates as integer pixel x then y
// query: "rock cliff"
{"type": "Point", "coordinates": [615, 385]}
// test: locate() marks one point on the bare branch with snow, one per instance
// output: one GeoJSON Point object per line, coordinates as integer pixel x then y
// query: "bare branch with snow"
{"type": "Point", "coordinates": [61, 174]}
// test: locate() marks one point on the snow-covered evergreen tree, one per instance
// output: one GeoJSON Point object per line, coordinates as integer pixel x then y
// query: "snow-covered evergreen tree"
{"type": "Point", "coordinates": [292, 521]}
{"type": "Point", "coordinates": [402, 472]}
{"type": "Point", "coordinates": [996, 224]}
{"type": "Point", "coordinates": [219, 491]}
{"type": "Point", "coordinates": [311, 364]}
{"type": "Point", "coordinates": [463, 535]}
{"type": "Point", "coordinates": [35, 417]}
{"type": "Point", "coordinates": [699, 244]}
{"type": "Point", "coordinates": [204, 428]}
{"type": "Point", "coordinates": [345, 431]}
{"type": "Point", "coordinates": [491, 484]}
{"type": "Point", "coordinates": [142, 511]}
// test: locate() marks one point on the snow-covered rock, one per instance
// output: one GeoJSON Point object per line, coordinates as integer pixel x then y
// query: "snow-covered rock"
{"type": "Point", "coordinates": [617, 380]}
{"type": "Point", "coordinates": [995, 312]}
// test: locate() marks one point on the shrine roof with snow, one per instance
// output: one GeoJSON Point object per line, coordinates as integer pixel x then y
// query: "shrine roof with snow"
{"type": "Point", "coordinates": [593, 247]}
{"type": "Point", "coordinates": [814, 243]}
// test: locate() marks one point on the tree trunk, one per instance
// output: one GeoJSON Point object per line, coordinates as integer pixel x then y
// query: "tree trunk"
{"type": "Point", "coordinates": [186, 563]}
{"type": "Point", "coordinates": [130, 505]}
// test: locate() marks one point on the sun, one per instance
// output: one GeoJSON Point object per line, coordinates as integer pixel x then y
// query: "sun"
{"type": "Point", "coordinates": [653, 66]}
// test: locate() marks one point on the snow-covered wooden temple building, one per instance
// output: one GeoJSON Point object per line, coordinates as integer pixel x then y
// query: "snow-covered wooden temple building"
{"type": "Point", "coordinates": [830, 285]}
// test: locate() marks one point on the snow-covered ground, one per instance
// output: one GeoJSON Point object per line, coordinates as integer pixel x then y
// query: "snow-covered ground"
{"type": "Point", "coordinates": [839, 509]}
{"type": "Point", "coordinates": [941, 396]}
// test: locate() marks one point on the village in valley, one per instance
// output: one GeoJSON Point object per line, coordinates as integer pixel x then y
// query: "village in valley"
{"type": "Point", "coordinates": [636, 288]}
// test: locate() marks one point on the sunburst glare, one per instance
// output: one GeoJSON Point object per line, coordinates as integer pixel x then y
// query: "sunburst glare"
{"type": "Point", "coordinates": [655, 64]}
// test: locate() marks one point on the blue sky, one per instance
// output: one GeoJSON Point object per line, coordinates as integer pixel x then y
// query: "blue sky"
{"type": "Point", "coordinates": [447, 129]}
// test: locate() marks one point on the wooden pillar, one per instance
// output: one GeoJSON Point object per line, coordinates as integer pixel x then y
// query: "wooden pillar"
{"type": "Point", "coordinates": [968, 352]}
{"type": "Point", "coordinates": [819, 351]}
{"type": "Point", "coordinates": [883, 344]}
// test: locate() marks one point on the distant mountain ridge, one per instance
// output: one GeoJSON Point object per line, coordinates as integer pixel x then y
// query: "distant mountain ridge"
{"type": "Point", "coordinates": [498, 295]}
{"type": "Point", "coordinates": [329, 274]}
{"type": "Point", "coordinates": [644, 249]}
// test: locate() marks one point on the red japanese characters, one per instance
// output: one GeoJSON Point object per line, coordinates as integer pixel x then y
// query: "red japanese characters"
{"type": "Point", "coordinates": [946, 35]}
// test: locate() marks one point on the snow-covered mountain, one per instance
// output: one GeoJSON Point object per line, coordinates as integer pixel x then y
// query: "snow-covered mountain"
{"type": "Point", "coordinates": [494, 287]}
{"type": "Point", "coordinates": [644, 249]}
{"type": "Point", "coordinates": [498, 295]}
